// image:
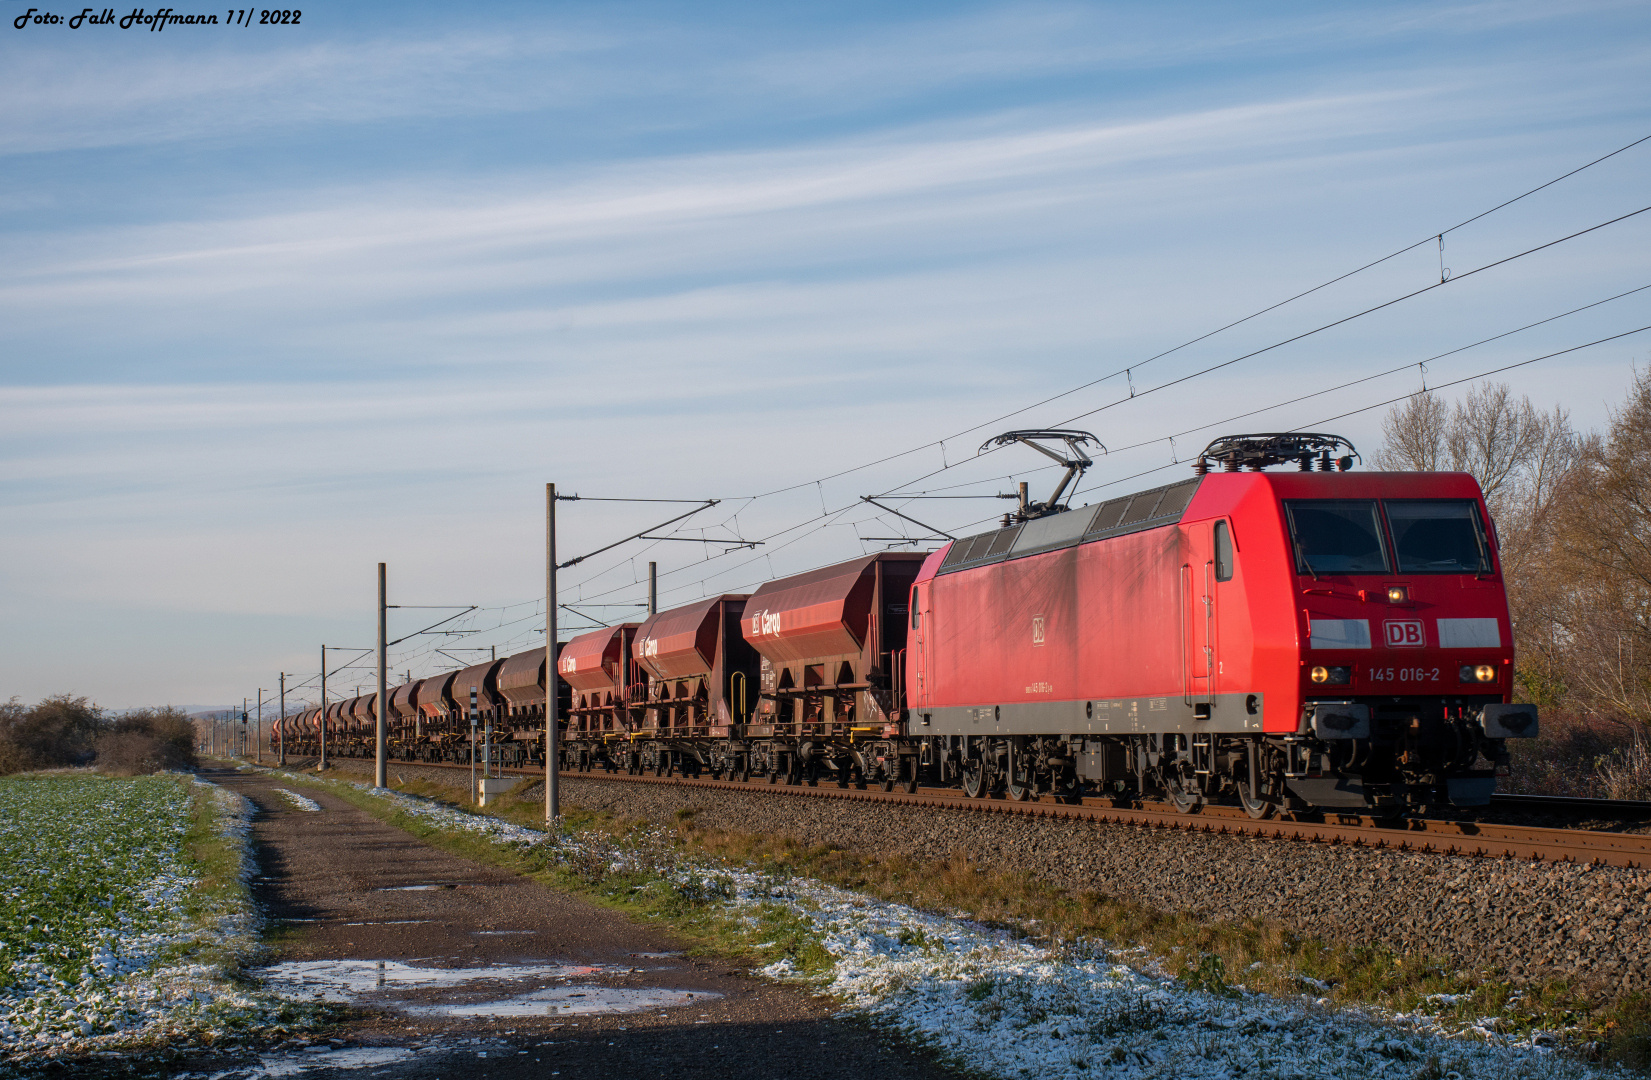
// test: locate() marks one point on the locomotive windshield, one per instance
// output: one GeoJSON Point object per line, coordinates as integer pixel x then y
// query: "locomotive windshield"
{"type": "Point", "coordinates": [1336, 536]}
{"type": "Point", "coordinates": [1429, 536]}
{"type": "Point", "coordinates": [1438, 536]}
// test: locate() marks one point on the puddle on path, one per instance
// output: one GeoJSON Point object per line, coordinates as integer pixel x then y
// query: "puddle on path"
{"type": "Point", "coordinates": [349, 980]}
{"type": "Point", "coordinates": [273, 1066]}
{"type": "Point", "coordinates": [473, 992]}
{"type": "Point", "coordinates": [391, 922]}
{"type": "Point", "coordinates": [570, 1001]}
{"type": "Point", "coordinates": [502, 933]}
{"type": "Point", "coordinates": [657, 955]}
{"type": "Point", "coordinates": [412, 888]}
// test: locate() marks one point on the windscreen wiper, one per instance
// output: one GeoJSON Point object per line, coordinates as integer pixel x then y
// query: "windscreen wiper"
{"type": "Point", "coordinates": [1301, 557]}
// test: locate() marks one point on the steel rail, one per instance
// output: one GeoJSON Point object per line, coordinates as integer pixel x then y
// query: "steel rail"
{"type": "Point", "coordinates": [1427, 836]}
{"type": "Point", "coordinates": [1607, 808]}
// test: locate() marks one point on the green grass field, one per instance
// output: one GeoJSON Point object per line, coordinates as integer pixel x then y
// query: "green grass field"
{"type": "Point", "coordinates": [123, 915]}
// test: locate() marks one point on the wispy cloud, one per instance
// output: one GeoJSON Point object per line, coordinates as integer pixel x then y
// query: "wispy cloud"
{"type": "Point", "coordinates": [711, 259]}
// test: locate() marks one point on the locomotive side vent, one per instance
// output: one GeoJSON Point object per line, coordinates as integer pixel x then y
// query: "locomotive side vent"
{"type": "Point", "coordinates": [1306, 449]}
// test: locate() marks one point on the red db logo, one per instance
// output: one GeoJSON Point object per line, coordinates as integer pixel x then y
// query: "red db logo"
{"type": "Point", "coordinates": [1405, 634]}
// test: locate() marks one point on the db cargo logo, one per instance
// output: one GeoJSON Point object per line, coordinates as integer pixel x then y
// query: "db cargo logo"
{"type": "Point", "coordinates": [567, 665]}
{"type": "Point", "coordinates": [650, 647]}
{"type": "Point", "coordinates": [1405, 634]}
{"type": "Point", "coordinates": [763, 624]}
{"type": "Point", "coordinates": [1037, 629]}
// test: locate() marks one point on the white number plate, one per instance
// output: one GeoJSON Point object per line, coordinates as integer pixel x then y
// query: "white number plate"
{"type": "Point", "coordinates": [1404, 674]}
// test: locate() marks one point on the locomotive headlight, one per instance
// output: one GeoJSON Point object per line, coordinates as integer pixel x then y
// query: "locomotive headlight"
{"type": "Point", "coordinates": [1397, 594]}
{"type": "Point", "coordinates": [1477, 673]}
{"type": "Point", "coordinates": [1321, 674]}
{"type": "Point", "coordinates": [1335, 676]}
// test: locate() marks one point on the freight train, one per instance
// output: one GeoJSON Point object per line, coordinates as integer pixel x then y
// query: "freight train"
{"type": "Point", "coordinates": [1306, 639]}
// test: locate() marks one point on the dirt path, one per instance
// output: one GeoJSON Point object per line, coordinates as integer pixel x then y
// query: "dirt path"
{"type": "Point", "coordinates": [359, 899]}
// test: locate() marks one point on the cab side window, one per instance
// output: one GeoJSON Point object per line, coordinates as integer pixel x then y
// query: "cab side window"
{"type": "Point", "coordinates": [1223, 552]}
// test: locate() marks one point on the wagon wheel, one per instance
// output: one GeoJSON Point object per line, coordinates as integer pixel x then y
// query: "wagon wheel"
{"type": "Point", "coordinates": [888, 778]}
{"type": "Point", "coordinates": [911, 776]}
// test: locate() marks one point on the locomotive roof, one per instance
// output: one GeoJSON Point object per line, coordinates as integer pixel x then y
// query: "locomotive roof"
{"type": "Point", "coordinates": [1099, 521]}
{"type": "Point", "coordinates": [1165, 505]}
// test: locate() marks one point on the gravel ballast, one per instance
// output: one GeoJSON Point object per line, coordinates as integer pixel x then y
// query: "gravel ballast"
{"type": "Point", "coordinates": [1527, 919]}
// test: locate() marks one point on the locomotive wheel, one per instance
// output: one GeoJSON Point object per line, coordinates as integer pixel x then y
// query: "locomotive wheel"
{"type": "Point", "coordinates": [1182, 796]}
{"type": "Point", "coordinates": [1258, 806]}
{"type": "Point", "coordinates": [1018, 792]}
{"type": "Point", "coordinates": [974, 779]}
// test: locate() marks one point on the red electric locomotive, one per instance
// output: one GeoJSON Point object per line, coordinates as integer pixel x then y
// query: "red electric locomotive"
{"type": "Point", "coordinates": [1310, 638]}
{"type": "Point", "coordinates": [1320, 637]}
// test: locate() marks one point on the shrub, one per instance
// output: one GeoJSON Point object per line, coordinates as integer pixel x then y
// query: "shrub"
{"type": "Point", "coordinates": [147, 741]}
{"type": "Point", "coordinates": [56, 733]}
{"type": "Point", "coordinates": [65, 731]}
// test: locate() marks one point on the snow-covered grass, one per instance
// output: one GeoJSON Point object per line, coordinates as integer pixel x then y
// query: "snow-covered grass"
{"type": "Point", "coordinates": [991, 1000]}
{"type": "Point", "coordinates": [300, 802]}
{"type": "Point", "coordinates": [1012, 1008]}
{"type": "Point", "coordinates": [124, 913]}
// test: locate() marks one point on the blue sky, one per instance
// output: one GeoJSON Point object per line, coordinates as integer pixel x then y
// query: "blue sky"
{"type": "Point", "coordinates": [277, 303]}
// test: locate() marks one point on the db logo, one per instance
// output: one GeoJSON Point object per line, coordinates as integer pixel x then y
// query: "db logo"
{"type": "Point", "coordinates": [1405, 634]}
{"type": "Point", "coordinates": [1037, 629]}
{"type": "Point", "coordinates": [764, 624]}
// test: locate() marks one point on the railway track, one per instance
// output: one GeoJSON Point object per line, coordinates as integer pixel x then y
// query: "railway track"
{"type": "Point", "coordinates": [1421, 835]}
{"type": "Point", "coordinates": [1618, 809]}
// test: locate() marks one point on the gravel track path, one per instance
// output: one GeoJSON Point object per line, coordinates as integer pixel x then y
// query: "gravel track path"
{"type": "Point", "coordinates": [353, 890]}
{"type": "Point", "coordinates": [1527, 919]}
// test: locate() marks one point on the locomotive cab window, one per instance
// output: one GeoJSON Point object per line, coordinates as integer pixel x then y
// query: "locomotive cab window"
{"type": "Point", "coordinates": [1223, 552]}
{"type": "Point", "coordinates": [1336, 536]}
{"type": "Point", "coordinates": [1438, 536]}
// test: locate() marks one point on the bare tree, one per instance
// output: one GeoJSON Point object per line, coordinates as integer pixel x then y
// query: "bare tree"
{"type": "Point", "coordinates": [1488, 433]}
{"type": "Point", "coordinates": [1414, 435]}
{"type": "Point", "coordinates": [1493, 437]}
{"type": "Point", "coordinates": [1602, 553]}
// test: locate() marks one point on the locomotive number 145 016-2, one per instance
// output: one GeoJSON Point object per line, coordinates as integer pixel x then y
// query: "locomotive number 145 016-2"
{"type": "Point", "coordinates": [1404, 674]}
